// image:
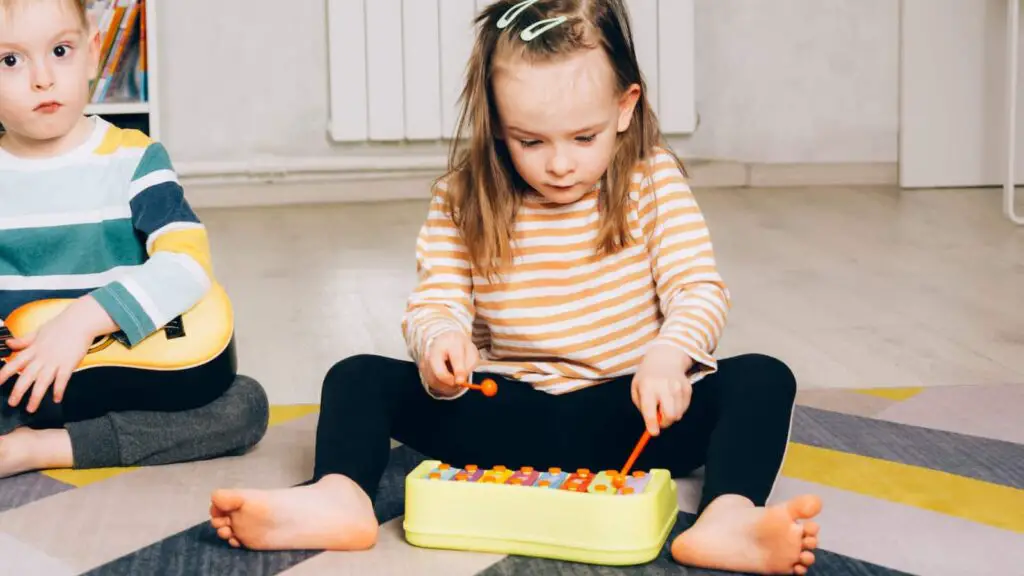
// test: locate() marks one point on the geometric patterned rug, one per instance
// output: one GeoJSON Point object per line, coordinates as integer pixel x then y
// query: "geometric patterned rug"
{"type": "Point", "coordinates": [914, 481]}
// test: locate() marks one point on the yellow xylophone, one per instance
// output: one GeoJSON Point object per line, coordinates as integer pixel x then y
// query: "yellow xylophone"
{"type": "Point", "coordinates": [576, 516]}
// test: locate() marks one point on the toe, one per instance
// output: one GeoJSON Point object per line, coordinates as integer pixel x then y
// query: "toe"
{"type": "Point", "coordinates": [235, 543]}
{"type": "Point", "coordinates": [811, 528]}
{"type": "Point", "coordinates": [806, 558]}
{"type": "Point", "coordinates": [800, 569]}
{"type": "Point", "coordinates": [806, 506]}
{"type": "Point", "coordinates": [227, 501]}
{"type": "Point", "coordinates": [226, 533]}
{"type": "Point", "coordinates": [810, 542]}
{"type": "Point", "coordinates": [221, 521]}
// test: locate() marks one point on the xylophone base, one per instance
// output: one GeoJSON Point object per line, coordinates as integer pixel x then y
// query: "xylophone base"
{"type": "Point", "coordinates": [579, 526]}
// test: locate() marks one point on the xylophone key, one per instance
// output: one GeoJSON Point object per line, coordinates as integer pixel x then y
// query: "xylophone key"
{"type": "Point", "coordinates": [553, 478]}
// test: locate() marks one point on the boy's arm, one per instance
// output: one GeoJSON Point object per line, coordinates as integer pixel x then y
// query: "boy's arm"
{"type": "Point", "coordinates": [178, 271]}
{"type": "Point", "coordinates": [693, 297]}
{"type": "Point", "coordinates": [442, 299]}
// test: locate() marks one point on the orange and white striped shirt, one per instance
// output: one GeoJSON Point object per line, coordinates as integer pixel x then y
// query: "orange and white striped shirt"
{"type": "Point", "coordinates": [561, 318]}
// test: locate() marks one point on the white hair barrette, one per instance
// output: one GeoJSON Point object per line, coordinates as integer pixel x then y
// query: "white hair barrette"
{"type": "Point", "coordinates": [533, 30]}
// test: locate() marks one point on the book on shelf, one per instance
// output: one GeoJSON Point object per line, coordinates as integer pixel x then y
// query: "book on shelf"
{"type": "Point", "coordinates": [122, 72]}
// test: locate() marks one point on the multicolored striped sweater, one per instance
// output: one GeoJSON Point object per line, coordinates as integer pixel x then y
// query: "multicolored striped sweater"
{"type": "Point", "coordinates": [563, 318]}
{"type": "Point", "coordinates": [109, 219]}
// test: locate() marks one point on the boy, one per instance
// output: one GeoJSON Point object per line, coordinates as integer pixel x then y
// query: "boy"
{"type": "Point", "coordinates": [94, 215]}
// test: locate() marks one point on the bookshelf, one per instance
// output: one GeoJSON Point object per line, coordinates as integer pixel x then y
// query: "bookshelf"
{"type": "Point", "coordinates": [126, 90]}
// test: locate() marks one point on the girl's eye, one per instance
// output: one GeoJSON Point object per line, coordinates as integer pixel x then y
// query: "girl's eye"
{"type": "Point", "coordinates": [61, 51]}
{"type": "Point", "coordinates": [586, 138]}
{"type": "Point", "coordinates": [528, 143]}
{"type": "Point", "coordinates": [9, 60]}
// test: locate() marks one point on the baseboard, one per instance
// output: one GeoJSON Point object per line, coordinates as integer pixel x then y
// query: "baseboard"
{"type": "Point", "coordinates": [326, 190]}
{"type": "Point", "coordinates": [833, 174]}
{"type": "Point", "coordinates": [377, 179]}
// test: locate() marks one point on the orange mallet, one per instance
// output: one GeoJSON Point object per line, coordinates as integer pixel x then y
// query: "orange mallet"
{"type": "Point", "coordinates": [488, 387]}
{"type": "Point", "coordinates": [620, 480]}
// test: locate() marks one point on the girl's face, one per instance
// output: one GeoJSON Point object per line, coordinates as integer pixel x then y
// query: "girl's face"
{"type": "Point", "coordinates": [559, 119]}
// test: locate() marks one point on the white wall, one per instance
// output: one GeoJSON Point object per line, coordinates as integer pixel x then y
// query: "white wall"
{"type": "Point", "coordinates": [777, 81]}
{"type": "Point", "coordinates": [797, 80]}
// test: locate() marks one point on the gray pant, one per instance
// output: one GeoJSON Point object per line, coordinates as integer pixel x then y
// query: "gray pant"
{"type": "Point", "coordinates": [230, 424]}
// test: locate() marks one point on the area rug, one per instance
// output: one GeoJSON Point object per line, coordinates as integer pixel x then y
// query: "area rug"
{"type": "Point", "coordinates": [915, 481]}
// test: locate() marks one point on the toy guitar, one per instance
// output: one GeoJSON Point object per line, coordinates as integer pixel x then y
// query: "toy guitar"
{"type": "Point", "coordinates": [199, 343]}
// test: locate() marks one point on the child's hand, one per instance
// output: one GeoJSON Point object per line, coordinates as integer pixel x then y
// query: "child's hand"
{"type": "Point", "coordinates": [448, 362]}
{"type": "Point", "coordinates": [50, 355]}
{"type": "Point", "coordinates": [661, 384]}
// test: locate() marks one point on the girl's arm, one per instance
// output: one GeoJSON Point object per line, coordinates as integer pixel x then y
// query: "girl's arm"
{"type": "Point", "coordinates": [693, 297]}
{"type": "Point", "coordinates": [442, 299]}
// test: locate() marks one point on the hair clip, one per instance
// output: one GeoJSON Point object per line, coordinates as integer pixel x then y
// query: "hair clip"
{"type": "Point", "coordinates": [533, 30]}
{"type": "Point", "coordinates": [513, 12]}
{"type": "Point", "coordinates": [538, 28]}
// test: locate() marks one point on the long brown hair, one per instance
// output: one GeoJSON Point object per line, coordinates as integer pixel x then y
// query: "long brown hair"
{"type": "Point", "coordinates": [484, 189]}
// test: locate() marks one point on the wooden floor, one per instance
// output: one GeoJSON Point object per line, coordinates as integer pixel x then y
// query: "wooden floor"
{"type": "Point", "coordinates": [853, 287]}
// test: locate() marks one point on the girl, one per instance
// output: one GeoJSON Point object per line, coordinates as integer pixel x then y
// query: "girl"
{"type": "Point", "coordinates": [564, 256]}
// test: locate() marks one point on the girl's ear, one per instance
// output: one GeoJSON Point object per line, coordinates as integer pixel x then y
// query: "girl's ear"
{"type": "Point", "coordinates": [627, 103]}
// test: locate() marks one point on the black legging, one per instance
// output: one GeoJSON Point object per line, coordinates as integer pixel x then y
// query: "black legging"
{"type": "Point", "coordinates": [737, 425]}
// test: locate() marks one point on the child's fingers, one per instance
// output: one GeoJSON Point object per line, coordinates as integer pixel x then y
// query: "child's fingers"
{"type": "Point", "coordinates": [14, 366]}
{"type": "Point", "coordinates": [22, 342]}
{"type": "Point", "coordinates": [457, 358]}
{"type": "Point", "coordinates": [23, 383]}
{"type": "Point", "coordinates": [60, 383]}
{"type": "Point", "coordinates": [42, 384]}
{"type": "Point", "coordinates": [438, 364]}
{"type": "Point", "coordinates": [667, 403]}
{"type": "Point", "coordinates": [649, 409]}
{"type": "Point", "coordinates": [439, 370]}
{"type": "Point", "coordinates": [678, 404]}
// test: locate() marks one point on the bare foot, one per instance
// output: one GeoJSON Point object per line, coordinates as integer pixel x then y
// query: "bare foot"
{"type": "Point", "coordinates": [734, 535]}
{"type": "Point", "coordinates": [333, 514]}
{"type": "Point", "coordinates": [25, 450]}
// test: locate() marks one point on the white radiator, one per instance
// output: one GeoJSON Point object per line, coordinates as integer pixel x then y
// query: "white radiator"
{"type": "Point", "coordinates": [396, 66]}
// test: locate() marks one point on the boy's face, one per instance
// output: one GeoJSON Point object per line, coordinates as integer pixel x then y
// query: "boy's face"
{"type": "Point", "coordinates": [47, 58]}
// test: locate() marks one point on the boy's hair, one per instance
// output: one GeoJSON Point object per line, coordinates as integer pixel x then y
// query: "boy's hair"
{"type": "Point", "coordinates": [79, 6]}
{"type": "Point", "coordinates": [482, 182]}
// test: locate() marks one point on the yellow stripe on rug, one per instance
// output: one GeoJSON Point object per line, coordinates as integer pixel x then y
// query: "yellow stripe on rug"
{"type": "Point", "coordinates": [898, 394]}
{"type": "Point", "coordinates": [967, 498]}
{"type": "Point", "coordinates": [78, 478]}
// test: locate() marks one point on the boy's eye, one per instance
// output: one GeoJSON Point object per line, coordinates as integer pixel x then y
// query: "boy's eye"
{"type": "Point", "coordinates": [10, 60]}
{"type": "Point", "coordinates": [61, 51]}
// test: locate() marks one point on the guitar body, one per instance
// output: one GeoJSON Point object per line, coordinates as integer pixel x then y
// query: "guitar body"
{"type": "Point", "coordinates": [185, 364]}
{"type": "Point", "coordinates": [208, 330]}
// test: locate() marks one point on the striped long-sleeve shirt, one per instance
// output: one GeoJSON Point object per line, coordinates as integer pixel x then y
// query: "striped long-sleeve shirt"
{"type": "Point", "coordinates": [564, 318]}
{"type": "Point", "coordinates": [109, 219]}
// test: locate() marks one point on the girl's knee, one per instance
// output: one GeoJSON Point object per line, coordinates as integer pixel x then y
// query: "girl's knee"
{"type": "Point", "coordinates": [765, 376]}
{"type": "Point", "coordinates": [353, 373]}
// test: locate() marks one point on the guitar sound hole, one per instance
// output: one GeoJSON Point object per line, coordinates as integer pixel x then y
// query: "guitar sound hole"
{"type": "Point", "coordinates": [99, 343]}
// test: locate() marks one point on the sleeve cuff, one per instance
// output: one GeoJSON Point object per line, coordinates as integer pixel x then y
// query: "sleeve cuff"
{"type": "Point", "coordinates": [703, 362]}
{"type": "Point", "coordinates": [433, 330]}
{"type": "Point", "coordinates": [124, 311]}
